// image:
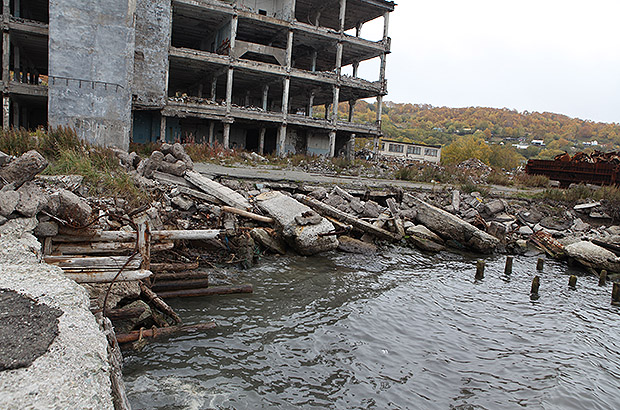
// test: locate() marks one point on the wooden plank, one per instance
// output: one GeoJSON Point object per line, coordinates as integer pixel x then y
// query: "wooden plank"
{"type": "Point", "coordinates": [173, 267]}
{"type": "Point", "coordinates": [248, 215]}
{"type": "Point", "coordinates": [99, 263]}
{"type": "Point", "coordinates": [221, 192]}
{"type": "Point", "coordinates": [159, 303]}
{"type": "Point", "coordinates": [107, 276]}
{"type": "Point", "coordinates": [99, 248]}
{"type": "Point", "coordinates": [162, 331]}
{"type": "Point", "coordinates": [122, 236]}
{"type": "Point", "coordinates": [199, 195]}
{"type": "Point", "coordinates": [215, 290]}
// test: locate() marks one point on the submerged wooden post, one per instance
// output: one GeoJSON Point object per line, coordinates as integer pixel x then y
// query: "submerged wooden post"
{"type": "Point", "coordinates": [540, 264]}
{"type": "Point", "coordinates": [480, 270]}
{"type": "Point", "coordinates": [602, 279]}
{"type": "Point", "coordinates": [535, 286]}
{"type": "Point", "coordinates": [508, 269]}
{"type": "Point", "coordinates": [572, 281]}
{"type": "Point", "coordinates": [615, 294]}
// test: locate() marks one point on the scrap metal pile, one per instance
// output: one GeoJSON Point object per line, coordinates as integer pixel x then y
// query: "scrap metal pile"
{"type": "Point", "coordinates": [598, 168]}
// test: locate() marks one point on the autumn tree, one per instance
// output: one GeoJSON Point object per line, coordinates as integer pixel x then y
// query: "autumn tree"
{"type": "Point", "coordinates": [466, 147]}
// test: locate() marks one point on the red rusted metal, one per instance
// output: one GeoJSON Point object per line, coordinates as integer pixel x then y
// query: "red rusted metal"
{"type": "Point", "coordinates": [597, 168]}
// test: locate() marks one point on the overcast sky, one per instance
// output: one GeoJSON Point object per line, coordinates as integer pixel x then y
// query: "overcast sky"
{"type": "Point", "coordinates": [537, 55]}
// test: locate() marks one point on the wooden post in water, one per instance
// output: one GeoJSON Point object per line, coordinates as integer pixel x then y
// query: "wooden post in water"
{"type": "Point", "coordinates": [615, 294]}
{"type": "Point", "coordinates": [540, 264]}
{"type": "Point", "coordinates": [572, 281]}
{"type": "Point", "coordinates": [480, 270]}
{"type": "Point", "coordinates": [602, 279]}
{"type": "Point", "coordinates": [535, 286]}
{"type": "Point", "coordinates": [508, 269]}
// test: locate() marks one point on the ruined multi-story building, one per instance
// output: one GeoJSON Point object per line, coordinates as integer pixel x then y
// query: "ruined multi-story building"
{"type": "Point", "coordinates": [245, 73]}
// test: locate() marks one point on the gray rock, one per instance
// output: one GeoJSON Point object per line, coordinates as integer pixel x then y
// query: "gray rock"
{"type": "Point", "coordinates": [3, 220]}
{"type": "Point", "coordinates": [352, 245]}
{"type": "Point", "coordinates": [31, 200]}
{"type": "Point", "coordinates": [166, 148]}
{"type": "Point", "coordinates": [357, 206]}
{"type": "Point", "coordinates": [580, 226]}
{"type": "Point", "coordinates": [408, 224]}
{"type": "Point", "coordinates": [307, 240]}
{"type": "Point", "coordinates": [470, 214]}
{"type": "Point", "coordinates": [308, 218]}
{"type": "Point", "coordinates": [408, 214]}
{"type": "Point", "coordinates": [182, 203]}
{"type": "Point", "coordinates": [8, 200]}
{"type": "Point", "coordinates": [422, 231]}
{"type": "Point", "coordinates": [614, 230]}
{"type": "Point", "coordinates": [4, 158]}
{"type": "Point", "coordinates": [498, 230]}
{"type": "Point", "coordinates": [70, 207]}
{"type": "Point", "coordinates": [425, 244]}
{"type": "Point", "coordinates": [586, 207]}
{"type": "Point", "coordinates": [153, 163]}
{"type": "Point", "coordinates": [23, 169]}
{"type": "Point", "coordinates": [179, 152]}
{"type": "Point", "coordinates": [178, 168]}
{"type": "Point", "coordinates": [170, 158]}
{"type": "Point", "coordinates": [526, 231]}
{"type": "Point", "coordinates": [319, 193]}
{"type": "Point", "coordinates": [121, 291]}
{"type": "Point", "coordinates": [372, 209]}
{"type": "Point", "coordinates": [555, 223]}
{"type": "Point", "coordinates": [493, 207]}
{"type": "Point", "coordinates": [46, 229]}
{"type": "Point", "coordinates": [599, 215]}
{"type": "Point", "coordinates": [531, 216]}
{"type": "Point", "coordinates": [134, 160]}
{"type": "Point", "coordinates": [456, 201]}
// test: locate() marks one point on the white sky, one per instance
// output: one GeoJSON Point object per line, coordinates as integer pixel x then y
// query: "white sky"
{"type": "Point", "coordinates": [559, 56]}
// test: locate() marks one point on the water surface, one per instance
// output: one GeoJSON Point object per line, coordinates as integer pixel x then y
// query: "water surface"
{"type": "Point", "coordinates": [401, 330]}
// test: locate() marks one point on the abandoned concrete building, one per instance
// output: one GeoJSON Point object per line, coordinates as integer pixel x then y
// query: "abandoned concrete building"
{"type": "Point", "coordinates": [244, 73]}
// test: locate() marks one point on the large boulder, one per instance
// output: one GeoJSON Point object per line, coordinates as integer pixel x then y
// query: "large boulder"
{"type": "Point", "coordinates": [593, 256]}
{"type": "Point", "coordinates": [31, 200]}
{"type": "Point", "coordinates": [69, 207]}
{"type": "Point", "coordinates": [8, 200]}
{"type": "Point", "coordinates": [23, 169]}
{"type": "Point", "coordinates": [449, 226]}
{"type": "Point", "coordinates": [305, 239]}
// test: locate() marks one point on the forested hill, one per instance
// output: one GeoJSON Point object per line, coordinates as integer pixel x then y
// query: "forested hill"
{"type": "Point", "coordinates": [441, 125]}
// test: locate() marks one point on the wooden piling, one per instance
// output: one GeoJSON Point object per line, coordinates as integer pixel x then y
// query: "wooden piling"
{"type": "Point", "coordinates": [615, 295]}
{"type": "Point", "coordinates": [540, 265]}
{"type": "Point", "coordinates": [508, 269]}
{"type": "Point", "coordinates": [165, 331]}
{"type": "Point", "coordinates": [480, 270]}
{"type": "Point", "coordinates": [602, 279]}
{"type": "Point", "coordinates": [215, 290]}
{"type": "Point", "coordinates": [572, 281]}
{"type": "Point", "coordinates": [535, 285]}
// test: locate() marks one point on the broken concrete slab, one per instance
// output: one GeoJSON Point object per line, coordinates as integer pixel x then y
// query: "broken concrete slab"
{"type": "Point", "coordinates": [219, 191]}
{"type": "Point", "coordinates": [449, 226]}
{"type": "Point", "coordinates": [593, 256]}
{"type": "Point", "coordinates": [306, 240]}
{"type": "Point", "coordinates": [352, 245]}
{"type": "Point", "coordinates": [8, 200]}
{"type": "Point", "coordinates": [31, 200]}
{"type": "Point", "coordinates": [69, 207]}
{"type": "Point", "coordinates": [586, 207]}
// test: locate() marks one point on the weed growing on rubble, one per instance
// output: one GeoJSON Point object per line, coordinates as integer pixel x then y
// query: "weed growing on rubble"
{"type": "Point", "coordinates": [583, 192]}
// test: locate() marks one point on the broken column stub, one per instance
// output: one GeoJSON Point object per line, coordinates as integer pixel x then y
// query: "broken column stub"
{"type": "Point", "coordinates": [307, 239]}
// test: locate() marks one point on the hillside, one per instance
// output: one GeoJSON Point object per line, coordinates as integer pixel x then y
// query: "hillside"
{"type": "Point", "coordinates": [441, 125]}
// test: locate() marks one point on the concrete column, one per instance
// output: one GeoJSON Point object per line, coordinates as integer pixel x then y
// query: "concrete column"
{"type": "Point", "coordinates": [6, 112]}
{"type": "Point", "coordinates": [16, 8]}
{"type": "Point", "coordinates": [351, 108]}
{"type": "Point", "coordinates": [326, 111]}
{"type": "Point", "coordinates": [281, 141]}
{"type": "Point", "coordinates": [285, 96]}
{"type": "Point", "coordinates": [356, 67]}
{"type": "Point", "coordinates": [211, 132]}
{"type": "Point", "coordinates": [261, 141]}
{"type": "Point", "coordinates": [358, 29]}
{"type": "Point", "coordinates": [247, 98]}
{"type": "Point", "coordinates": [332, 144]}
{"type": "Point", "coordinates": [351, 148]}
{"type": "Point", "coordinates": [200, 87]}
{"type": "Point", "coordinates": [229, 89]}
{"type": "Point", "coordinates": [16, 64]}
{"type": "Point", "coordinates": [343, 13]}
{"type": "Point", "coordinates": [311, 104]}
{"type": "Point", "coordinates": [162, 128]}
{"type": "Point", "coordinates": [386, 25]}
{"type": "Point", "coordinates": [265, 96]}
{"type": "Point", "coordinates": [213, 88]}
{"type": "Point", "coordinates": [335, 105]}
{"type": "Point", "coordinates": [317, 19]}
{"type": "Point", "coordinates": [289, 49]}
{"type": "Point", "coordinates": [226, 141]}
{"type": "Point", "coordinates": [234, 23]}
{"type": "Point", "coordinates": [315, 55]}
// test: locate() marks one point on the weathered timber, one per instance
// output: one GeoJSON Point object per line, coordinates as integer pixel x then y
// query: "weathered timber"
{"type": "Point", "coordinates": [344, 194]}
{"type": "Point", "coordinates": [163, 331]}
{"type": "Point", "coordinates": [572, 281]}
{"type": "Point", "coordinates": [398, 222]}
{"type": "Point", "coordinates": [115, 358]}
{"type": "Point", "coordinates": [125, 313]}
{"type": "Point", "coordinates": [173, 267]}
{"type": "Point", "coordinates": [215, 290]}
{"type": "Point", "coordinates": [122, 236]}
{"type": "Point", "coordinates": [508, 268]}
{"type": "Point", "coordinates": [602, 279]}
{"type": "Point", "coordinates": [535, 285]}
{"type": "Point", "coordinates": [247, 214]}
{"type": "Point", "coordinates": [609, 246]}
{"type": "Point", "coordinates": [166, 286]}
{"type": "Point", "coordinates": [221, 192]}
{"type": "Point", "coordinates": [159, 303]}
{"type": "Point", "coordinates": [615, 294]}
{"type": "Point", "coordinates": [97, 248]}
{"type": "Point", "coordinates": [78, 264]}
{"type": "Point", "coordinates": [107, 276]}
{"type": "Point", "coordinates": [186, 275]}
{"type": "Point", "coordinates": [480, 270]}
{"type": "Point", "coordinates": [540, 265]}
{"type": "Point", "coordinates": [347, 218]}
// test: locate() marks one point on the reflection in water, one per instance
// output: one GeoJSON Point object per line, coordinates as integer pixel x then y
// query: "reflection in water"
{"type": "Point", "coordinates": [395, 331]}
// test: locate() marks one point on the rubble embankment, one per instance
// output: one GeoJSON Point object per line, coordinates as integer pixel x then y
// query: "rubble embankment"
{"type": "Point", "coordinates": [53, 360]}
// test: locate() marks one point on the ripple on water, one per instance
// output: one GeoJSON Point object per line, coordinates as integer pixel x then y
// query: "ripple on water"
{"type": "Point", "coordinates": [399, 330]}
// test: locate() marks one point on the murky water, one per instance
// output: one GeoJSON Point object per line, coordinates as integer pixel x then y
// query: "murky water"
{"type": "Point", "coordinates": [395, 331]}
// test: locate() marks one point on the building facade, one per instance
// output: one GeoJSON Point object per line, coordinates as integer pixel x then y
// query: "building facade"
{"type": "Point", "coordinates": [242, 73]}
{"type": "Point", "coordinates": [413, 152]}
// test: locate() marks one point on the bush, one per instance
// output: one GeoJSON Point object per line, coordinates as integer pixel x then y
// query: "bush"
{"type": "Point", "coordinates": [532, 181]}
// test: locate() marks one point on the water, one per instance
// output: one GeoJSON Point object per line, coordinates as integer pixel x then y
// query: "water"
{"type": "Point", "coordinates": [394, 331]}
